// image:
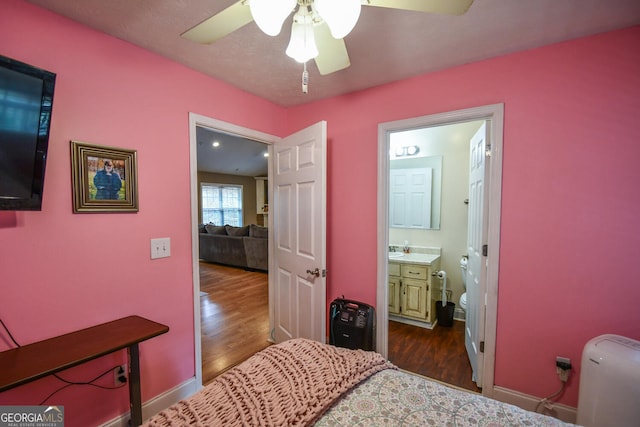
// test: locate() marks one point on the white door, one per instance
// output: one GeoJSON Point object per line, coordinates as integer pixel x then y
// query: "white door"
{"type": "Point", "coordinates": [476, 238]}
{"type": "Point", "coordinates": [299, 186]}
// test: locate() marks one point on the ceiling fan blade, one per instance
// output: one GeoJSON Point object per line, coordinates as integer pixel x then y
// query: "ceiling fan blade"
{"type": "Point", "coordinates": [225, 22]}
{"type": "Point", "coordinates": [333, 54]}
{"type": "Point", "coordinates": [448, 7]}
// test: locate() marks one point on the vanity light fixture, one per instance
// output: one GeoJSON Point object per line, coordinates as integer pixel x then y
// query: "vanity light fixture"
{"type": "Point", "coordinates": [215, 144]}
{"type": "Point", "coordinates": [412, 150]}
{"type": "Point", "coordinates": [409, 150]}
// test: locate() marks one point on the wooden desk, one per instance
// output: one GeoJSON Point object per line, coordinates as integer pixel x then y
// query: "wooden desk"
{"type": "Point", "coordinates": [33, 361]}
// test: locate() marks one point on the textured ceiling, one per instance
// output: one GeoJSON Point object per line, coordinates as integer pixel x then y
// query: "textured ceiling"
{"type": "Point", "coordinates": [386, 45]}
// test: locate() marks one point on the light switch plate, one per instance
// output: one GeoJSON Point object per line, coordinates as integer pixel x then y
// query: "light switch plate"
{"type": "Point", "coordinates": [160, 248]}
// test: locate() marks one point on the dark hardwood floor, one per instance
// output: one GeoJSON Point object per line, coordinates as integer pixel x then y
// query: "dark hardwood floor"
{"type": "Point", "coordinates": [235, 324]}
{"type": "Point", "coordinates": [437, 353]}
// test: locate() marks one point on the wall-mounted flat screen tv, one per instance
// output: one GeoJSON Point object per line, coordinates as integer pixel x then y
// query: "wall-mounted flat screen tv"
{"type": "Point", "coordinates": [26, 101]}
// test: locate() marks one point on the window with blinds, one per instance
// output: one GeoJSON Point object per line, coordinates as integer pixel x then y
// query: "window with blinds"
{"type": "Point", "coordinates": [221, 204]}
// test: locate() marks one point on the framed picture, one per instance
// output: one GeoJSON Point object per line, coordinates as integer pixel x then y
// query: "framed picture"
{"type": "Point", "coordinates": [104, 179]}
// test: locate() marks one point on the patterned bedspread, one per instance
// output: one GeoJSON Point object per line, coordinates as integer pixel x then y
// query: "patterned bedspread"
{"type": "Point", "coordinates": [396, 398]}
{"type": "Point", "coordinates": [302, 382]}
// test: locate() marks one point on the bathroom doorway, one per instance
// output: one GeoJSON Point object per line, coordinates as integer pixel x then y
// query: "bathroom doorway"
{"type": "Point", "coordinates": [450, 135]}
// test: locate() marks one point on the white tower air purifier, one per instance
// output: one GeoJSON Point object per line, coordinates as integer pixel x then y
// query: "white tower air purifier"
{"type": "Point", "coordinates": [610, 382]}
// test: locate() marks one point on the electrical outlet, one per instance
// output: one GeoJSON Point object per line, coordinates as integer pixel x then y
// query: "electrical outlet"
{"type": "Point", "coordinates": [563, 367]}
{"type": "Point", "coordinates": [160, 248]}
{"type": "Point", "coordinates": [120, 375]}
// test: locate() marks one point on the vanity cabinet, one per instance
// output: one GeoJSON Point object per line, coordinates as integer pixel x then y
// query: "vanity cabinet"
{"type": "Point", "coordinates": [394, 288]}
{"type": "Point", "coordinates": [410, 292]}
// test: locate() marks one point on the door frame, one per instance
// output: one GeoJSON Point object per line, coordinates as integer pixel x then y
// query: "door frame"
{"type": "Point", "coordinates": [495, 114]}
{"type": "Point", "coordinates": [196, 120]}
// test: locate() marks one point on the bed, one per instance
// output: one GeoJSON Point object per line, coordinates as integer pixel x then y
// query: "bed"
{"type": "Point", "coordinates": [302, 383]}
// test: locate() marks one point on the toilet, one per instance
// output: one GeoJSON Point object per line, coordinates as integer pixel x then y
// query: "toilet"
{"type": "Point", "coordinates": [463, 271]}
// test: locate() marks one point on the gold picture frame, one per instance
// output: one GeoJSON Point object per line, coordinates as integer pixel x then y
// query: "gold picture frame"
{"type": "Point", "coordinates": [104, 179]}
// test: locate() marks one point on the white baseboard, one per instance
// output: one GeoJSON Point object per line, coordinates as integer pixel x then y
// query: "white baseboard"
{"type": "Point", "coordinates": [528, 402]}
{"type": "Point", "coordinates": [158, 403]}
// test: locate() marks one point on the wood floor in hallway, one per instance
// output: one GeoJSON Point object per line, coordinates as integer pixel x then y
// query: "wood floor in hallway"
{"type": "Point", "coordinates": [235, 324]}
{"type": "Point", "coordinates": [234, 316]}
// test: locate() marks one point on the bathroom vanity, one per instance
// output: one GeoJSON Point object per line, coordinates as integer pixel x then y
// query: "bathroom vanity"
{"type": "Point", "coordinates": [413, 290]}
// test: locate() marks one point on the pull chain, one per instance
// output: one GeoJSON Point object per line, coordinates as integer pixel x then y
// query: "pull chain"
{"type": "Point", "coordinates": [305, 79]}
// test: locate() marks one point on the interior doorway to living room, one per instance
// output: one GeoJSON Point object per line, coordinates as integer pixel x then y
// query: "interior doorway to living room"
{"type": "Point", "coordinates": [231, 307]}
{"type": "Point", "coordinates": [234, 309]}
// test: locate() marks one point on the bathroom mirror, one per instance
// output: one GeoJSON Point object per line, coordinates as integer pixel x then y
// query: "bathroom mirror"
{"type": "Point", "coordinates": [415, 191]}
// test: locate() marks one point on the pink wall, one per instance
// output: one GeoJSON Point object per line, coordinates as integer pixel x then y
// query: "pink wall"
{"type": "Point", "coordinates": [569, 236]}
{"type": "Point", "coordinates": [60, 272]}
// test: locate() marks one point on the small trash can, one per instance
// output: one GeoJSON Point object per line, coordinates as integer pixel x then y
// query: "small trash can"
{"type": "Point", "coordinates": [445, 313]}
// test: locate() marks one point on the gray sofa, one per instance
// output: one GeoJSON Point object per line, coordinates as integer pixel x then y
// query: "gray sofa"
{"type": "Point", "coordinates": [246, 247]}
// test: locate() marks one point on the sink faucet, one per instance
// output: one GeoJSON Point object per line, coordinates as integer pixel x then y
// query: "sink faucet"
{"type": "Point", "coordinates": [393, 248]}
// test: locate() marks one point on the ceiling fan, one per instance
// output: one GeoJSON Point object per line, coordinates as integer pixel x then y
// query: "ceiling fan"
{"type": "Point", "coordinates": [318, 27]}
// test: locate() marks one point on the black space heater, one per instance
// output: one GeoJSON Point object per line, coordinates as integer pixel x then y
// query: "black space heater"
{"type": "Point", "coordinates": [352, 325]}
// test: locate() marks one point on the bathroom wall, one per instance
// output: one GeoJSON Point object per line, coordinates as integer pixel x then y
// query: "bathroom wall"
{"type": "Point", "coordinates": [452, 143]}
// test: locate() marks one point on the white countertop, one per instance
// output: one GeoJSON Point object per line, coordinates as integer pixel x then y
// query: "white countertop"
{"type": "Point", "coordinates": [413, 258]}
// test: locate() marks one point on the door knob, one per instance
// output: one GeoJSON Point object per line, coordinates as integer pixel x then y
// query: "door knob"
{"type": "Point", "coordinates": [315, 272]}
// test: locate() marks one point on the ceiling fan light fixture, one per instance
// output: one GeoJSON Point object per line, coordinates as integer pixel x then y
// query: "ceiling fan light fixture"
{"type": "Point", "coordinates": [302, 45]}
{"type": "Point", "coordinates": [340, 15]}
{"type": "Point", "coordinates": [269, 15]}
